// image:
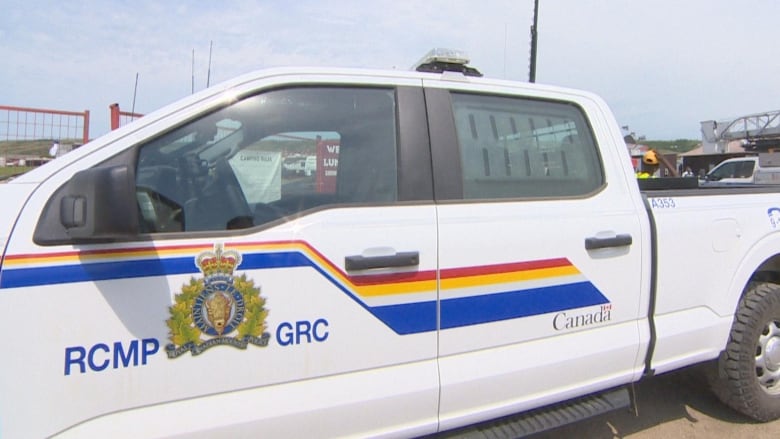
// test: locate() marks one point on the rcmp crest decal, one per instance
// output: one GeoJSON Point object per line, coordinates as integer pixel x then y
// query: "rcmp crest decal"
{"type": "Point", "coordinates": [219, 309]}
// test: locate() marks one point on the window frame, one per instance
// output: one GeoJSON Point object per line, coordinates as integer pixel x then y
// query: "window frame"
{"type": "Point", "coordinates": [402, 95]}
{"type": "Point", "coordinates": [414, 181]}
{"type": "Point", "coordinates": [446, 149]}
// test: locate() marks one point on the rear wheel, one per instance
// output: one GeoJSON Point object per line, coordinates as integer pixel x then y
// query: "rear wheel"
{"type": "Point", "coordinates": [748, 372]}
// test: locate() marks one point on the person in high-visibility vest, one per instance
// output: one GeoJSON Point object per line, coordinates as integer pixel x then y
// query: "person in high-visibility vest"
{"type": "Point", "coordinates": [649, 165]}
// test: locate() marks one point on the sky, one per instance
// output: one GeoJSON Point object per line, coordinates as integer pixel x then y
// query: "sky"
{"type": "Point", "coordinates": [662, 66]}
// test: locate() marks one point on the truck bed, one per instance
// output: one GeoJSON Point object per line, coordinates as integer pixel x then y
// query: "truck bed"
{"type": "Point", "coordinates": [690, 186]}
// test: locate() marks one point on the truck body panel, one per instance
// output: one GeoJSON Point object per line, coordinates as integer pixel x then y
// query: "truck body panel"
{"type": "Point", "coordinates": [697, 306]}
{"type": "Point", "coordinates": [464, 249]}
{"type": "Point", "coordinates": [13, 198]}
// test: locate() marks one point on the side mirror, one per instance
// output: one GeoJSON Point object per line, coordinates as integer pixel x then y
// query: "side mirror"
{"type": "Point", "coordinates": [99, 204]}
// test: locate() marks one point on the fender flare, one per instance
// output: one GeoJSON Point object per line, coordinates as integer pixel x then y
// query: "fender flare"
{"type": "Point", "coordinates": [759, 254]}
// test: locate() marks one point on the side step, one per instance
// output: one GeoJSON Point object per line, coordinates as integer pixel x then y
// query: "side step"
{"type": "Point", "coordinates": [545, 418]}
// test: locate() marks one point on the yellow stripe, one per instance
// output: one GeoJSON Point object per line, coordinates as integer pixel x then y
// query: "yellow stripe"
{"type": "Point", "coordinates": [119, 254]}
{"type": "Point", "coordinates": [515, 276]}
{"type": "Point", "coordinates": [129, 253]}
{"type": "Point", "coordinates": [423, 286]}
{"type": "Point", "coordinates": [464, 282]}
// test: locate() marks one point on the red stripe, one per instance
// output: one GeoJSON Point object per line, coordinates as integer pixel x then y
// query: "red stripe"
{"type": "Point", "coordinates": [128, 251]}
{"type": "Point", "coordinates": [450, 273]}
{"type": "Point", "coordinates": [412, 276]}
{"type": "Point", "coordinates": [136, 250]}
{"type": "Point", "coordinates": [361, 280]}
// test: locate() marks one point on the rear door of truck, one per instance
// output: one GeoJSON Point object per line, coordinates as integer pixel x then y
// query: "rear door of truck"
{"type": "Point", "coordinates": [541, 245]}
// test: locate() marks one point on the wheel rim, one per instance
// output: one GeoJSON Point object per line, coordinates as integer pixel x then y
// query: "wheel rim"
{"type": "Point", "coordinates": [768, 358]}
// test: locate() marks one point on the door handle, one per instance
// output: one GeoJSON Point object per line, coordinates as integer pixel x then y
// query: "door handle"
{"type": "Point", "coordinates": [594, 243]}
{"type": "Point", "coordinates": [400, 259]}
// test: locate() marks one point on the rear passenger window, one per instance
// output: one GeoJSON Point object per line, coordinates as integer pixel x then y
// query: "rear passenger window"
{"type": "Point", "coordinates": [270, 156]}
{"type": "Point", "coordinates": [521, 148]}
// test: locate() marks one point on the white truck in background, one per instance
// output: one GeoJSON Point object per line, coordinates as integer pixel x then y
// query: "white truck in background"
{"type": "Point", "coordinates": [481, 251]}
{"type": "Point", "coordinates": [761, 169]}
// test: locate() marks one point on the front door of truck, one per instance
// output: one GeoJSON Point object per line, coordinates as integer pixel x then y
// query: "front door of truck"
{"type": "Point", "coordinates": [540, 248]}
{"type": "Point", "coordinates": [260, 296]}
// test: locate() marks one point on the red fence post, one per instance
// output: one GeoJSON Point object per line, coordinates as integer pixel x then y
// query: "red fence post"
{"type": "Point", "coordinates": [86, 126]}
{"type": "Point", "coordinates": [119, 118]}
{"type": "Point", "coordinates": [114, 109]}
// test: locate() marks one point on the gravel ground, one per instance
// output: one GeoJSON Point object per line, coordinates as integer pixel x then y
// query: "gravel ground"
{"type": "Point", "coordinates": [671, 406]}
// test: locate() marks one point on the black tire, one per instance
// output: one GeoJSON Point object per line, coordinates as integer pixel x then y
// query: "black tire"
{"type": "Point", "coordinates": [748, 371]}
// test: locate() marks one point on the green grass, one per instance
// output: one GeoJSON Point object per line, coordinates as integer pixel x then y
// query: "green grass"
{"type": "Point", "coordinates": [678, 146]}
{"type": "Point", "coordinates": [12, 170]}
{"type": "Point", "coordinates": [19, 148]}
{"type": "Point", "coordinates": [38, 147]}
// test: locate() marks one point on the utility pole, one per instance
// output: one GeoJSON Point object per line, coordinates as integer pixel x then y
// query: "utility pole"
{"type": "Point", "coordinates": [534, 34]}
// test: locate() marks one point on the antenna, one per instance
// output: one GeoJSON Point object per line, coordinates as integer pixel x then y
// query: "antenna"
{"type": "Point", "coordinates": [193, 72]}
{"type": "Point", "coordinates": [208, 75]}
{"type": "Point", "coordinates": [135, 92]}
{"type": "Point", "coordinates": [505, 34]}
{"type": "Point", "coordinates": [532, 67]}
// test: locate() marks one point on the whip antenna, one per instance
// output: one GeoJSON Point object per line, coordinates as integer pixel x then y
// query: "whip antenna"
{"type": "Point", "coordinates": [208, 75]}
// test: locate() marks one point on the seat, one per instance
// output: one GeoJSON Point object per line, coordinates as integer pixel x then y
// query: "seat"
{"type": "Point", "coordinates": [221, 205]}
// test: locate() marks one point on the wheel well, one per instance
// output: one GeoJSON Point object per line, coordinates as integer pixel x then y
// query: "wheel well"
{"type": "Point", "coordinates": [769, 271]}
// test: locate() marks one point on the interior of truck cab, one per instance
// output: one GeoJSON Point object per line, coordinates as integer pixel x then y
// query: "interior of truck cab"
{"type": "Point", "coordinates": [270, 157]}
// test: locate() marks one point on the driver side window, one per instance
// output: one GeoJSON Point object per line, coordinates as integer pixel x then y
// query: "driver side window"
{"type": "Point", "coordinates": [268, 157]}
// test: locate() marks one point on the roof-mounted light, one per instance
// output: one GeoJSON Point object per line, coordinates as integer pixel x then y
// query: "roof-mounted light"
{"type": "Point", "coordinates": [446, 60]}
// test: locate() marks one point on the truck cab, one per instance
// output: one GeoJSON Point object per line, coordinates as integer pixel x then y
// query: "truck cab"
{"type": "Point", "coordinates": [761, 169]}
{"type": "Point", "coordinates": [463, 249]}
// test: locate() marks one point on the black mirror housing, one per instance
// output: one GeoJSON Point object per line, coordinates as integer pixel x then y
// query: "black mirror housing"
{"type": "Point", "coordinates": [95, 205]}
{"type": "Point", "coordinates": [73, 211]}
{"type": "Point", "coordinates": [99, 204]}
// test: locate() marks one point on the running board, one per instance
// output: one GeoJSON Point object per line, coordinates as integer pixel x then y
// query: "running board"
{"type": "Point", "coordinates": [545, 418]}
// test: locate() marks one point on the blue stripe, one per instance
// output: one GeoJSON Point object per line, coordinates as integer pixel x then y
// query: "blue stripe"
{"type": "Point", "coordinates": [274, 260]}
{"type": "Point", "coordinates": [474, 310]}
{"type": "Point", "coordinates": [28, 277]}
{"type": "Point", "coordinates": [402, 318]}
{"type": "Point", "coordinates": [408, 318]}
{"type": "Point", "coordinates": [97, 271]}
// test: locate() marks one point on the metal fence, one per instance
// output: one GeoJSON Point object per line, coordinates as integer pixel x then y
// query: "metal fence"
{"type": "Point", "coordinates": [21, 123]}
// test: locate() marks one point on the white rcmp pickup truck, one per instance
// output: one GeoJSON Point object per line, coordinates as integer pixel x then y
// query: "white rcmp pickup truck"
{"type": "Point", "coordinates": [467, 250]}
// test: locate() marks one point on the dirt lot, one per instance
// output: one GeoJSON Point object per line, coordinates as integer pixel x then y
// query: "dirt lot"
{"type": "Point", "coordinates": [671, 406]}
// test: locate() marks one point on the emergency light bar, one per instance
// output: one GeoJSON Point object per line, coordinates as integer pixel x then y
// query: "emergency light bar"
{"type": "Point", "coordinates": [441, 60]}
